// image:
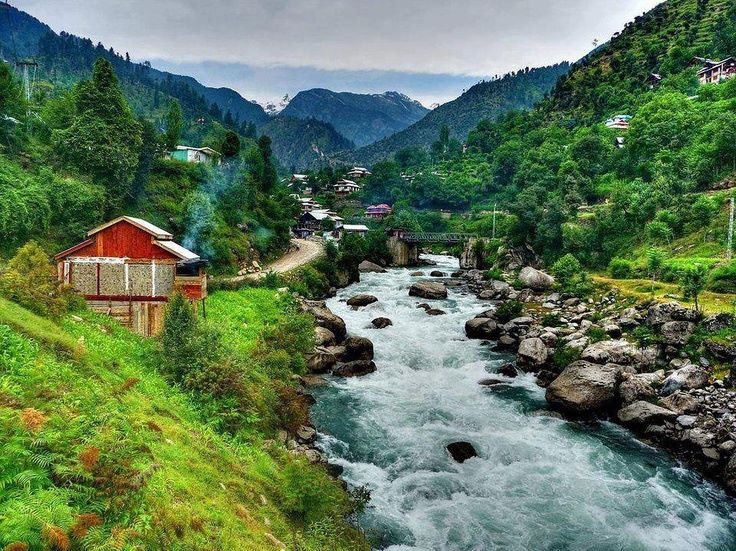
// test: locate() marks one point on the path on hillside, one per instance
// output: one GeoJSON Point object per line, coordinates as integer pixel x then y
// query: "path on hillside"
{"type": "Point", "coordinates": [305, 252]}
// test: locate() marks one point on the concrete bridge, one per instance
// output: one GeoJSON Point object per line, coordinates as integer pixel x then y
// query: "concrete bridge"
{"type": "Point", "coordinates": [404, 246]}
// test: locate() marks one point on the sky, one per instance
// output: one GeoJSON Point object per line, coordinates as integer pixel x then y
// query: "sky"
{"type": "Point", "coordinates": [430, 50]}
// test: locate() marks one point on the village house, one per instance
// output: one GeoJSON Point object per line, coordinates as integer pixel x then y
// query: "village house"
{"type": "Point", "coordinates": [378, 211]}
{"type": "Point", "coordinates": [345, 187]}
{"type": "Point", "coordinates": [653, 80]}
{"type": "Point", "coordinates": [358, 172]}
{"type": "Point", "coordinates": [714, 72]}
{"type": "Point", "coordinates": [128, 268]}
{"type": "Point", "coordinates": [195, 154]}
{"type": "Point", "coordinates": [316, 220]}
{"type": "Point", "coordinates": [358, 229]}
{"type": "Point", "coordinates": [619, 122]}
{"type": "Point", "coordinates": [309, 204]}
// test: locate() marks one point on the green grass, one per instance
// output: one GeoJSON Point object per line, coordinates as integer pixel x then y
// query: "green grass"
{"type": "Point", "coordinates": [164, 478]}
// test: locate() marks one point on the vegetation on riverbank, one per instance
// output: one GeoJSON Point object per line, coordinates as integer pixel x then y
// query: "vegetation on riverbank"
{"type": "Point", "coordinates": [99, 449]}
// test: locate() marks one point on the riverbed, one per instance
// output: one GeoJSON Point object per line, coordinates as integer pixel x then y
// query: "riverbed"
{"type": "Point", "coordinates": [539, 483]}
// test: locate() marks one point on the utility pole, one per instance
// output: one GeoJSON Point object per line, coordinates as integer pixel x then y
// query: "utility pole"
{"type": "Point", "coordinates": [493, 234]}
{"type": "Point", "coordinates": [729, 252]}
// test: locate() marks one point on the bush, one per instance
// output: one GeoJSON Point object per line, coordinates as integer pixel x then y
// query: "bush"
{"type": "Point", "coordinates": [30, 280]}
{"type": "Point", "coordinates": [620, 268]}
{"type": "Point", "coordinates": [570, 276]}
{"type": "Point", "coordinates": [597, 334]}
{"type": "Point", "coordinates": [509, 310]}
{"type": "Point", "coordinates": [564, 356]}
{"type": "Point", "coordinates": [723, 279]}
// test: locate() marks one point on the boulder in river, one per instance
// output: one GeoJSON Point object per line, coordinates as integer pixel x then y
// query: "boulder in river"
{"type": "Point", "coordinates": [357, 368]}
{"type": "Point", "coordinates": [321, 360]}
{"type": "Point", "coordinates": [369, 267]}
{"type": "Point", "coordinates": [535, 279]}
{"type": "Point", "coordinates": [429, 290]}
{"type": "Point", "coordinates": [461, 451]}
{"type": "Point", "coordinates": [324, 337]}
{"type": "Point", "coordinates": [481, 328]}
{"type": "Point", "coordinates": [532, 353]}
{"type": "Point", "coordinates": [508, 370]}
{"type": "Point", "coordinates": [381, 323]}
{"type": "Point", "coordinates": [361, 300]}
{"type": "Point", "coordinates": [435, 312]}
{"type": "Point", "coordinates": [436, 273]}
{"type": "Point", "coordinates": [325, 318]}
{"type": "Point", "coordinates": [358, 348]}
{"type": "Point", "coordinates": [584, 387]}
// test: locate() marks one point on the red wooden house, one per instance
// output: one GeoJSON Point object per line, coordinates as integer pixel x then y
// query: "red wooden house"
{"type": "Point", "coordinates": [128, 268]}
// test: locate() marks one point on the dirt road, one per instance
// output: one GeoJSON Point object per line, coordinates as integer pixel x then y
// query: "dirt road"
{"type": "Point", "coordinates": [306, 252]}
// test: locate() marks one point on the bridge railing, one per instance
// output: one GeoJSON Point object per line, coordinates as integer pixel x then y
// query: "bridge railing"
{"type": "Point", "coordinates": [431, 237]}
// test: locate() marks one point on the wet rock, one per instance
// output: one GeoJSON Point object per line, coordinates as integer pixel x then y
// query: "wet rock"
{"type": "Point", "coordinates": [314, 380]}
{"type": "Point", "coordinates": [508, 370]}
{"type": "Point", "coordinates": [461, 451]}
{"type": "Point", "coordinates": [324, 337]}
{"type": "Point", "coordinates": [335, 470]}
{"type": "Point", "coordinates": [416, 274]}
{"type": "Point", "coordinates": [306, 434]}
{"type": "Point", "coordinates": [322, 360]}
{"type": "Point", "coordinates": [435, 312]}
{"type": "Point", "coordinates": [358, 348]}
{"type": "Point", "coordinates": [532, 353]}
{"type": "Point", "coordinates": [644, 413]}
{"type": "Point", "coordinates": [680, 402]}
{"type": "Point", "coordinates": [354, 369]}
{"type": "Point", "coordinates": [381, 323]}
{"type": "Point", "coordinates": [370, 267]}
{"type": "Point", "coordinates": [429, 290]}
{"type": "Point", "coordinates": [535, 279]}
{"type": "Point", "coordinates": [424, 306]}
{"type": "Point", "coordinates": [481, 328]}
{"type": "Point", "coordinates": [436, 273]}
{"type": "Point", "coordinates": [492, 382]}
{"type": "Point", "coordinates": [361, 300]}
{"type": "Point", "coordinates": [545, 378]}
{"type": "Point", "coordinates": [685, 378]}
{"type": "Point", "coordinates": [546, 413]}
{"type": "Point", "coordinates": [584, 387]}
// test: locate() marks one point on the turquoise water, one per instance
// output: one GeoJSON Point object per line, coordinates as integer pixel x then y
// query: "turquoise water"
{"type": "Point", "coordinates": [539, 483]}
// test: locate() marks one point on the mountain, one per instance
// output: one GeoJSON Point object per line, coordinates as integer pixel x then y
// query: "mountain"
{"type": "Point", "coordinates": [301, 143]}
{"type": "Point", "coordinates": [275, 107]}
{"type": "Point", "coordinates": [485, 100]}
{"type": "Point", "coordinates": [65, 58]}
{"type": "Point", "coordinates": [362, 118]}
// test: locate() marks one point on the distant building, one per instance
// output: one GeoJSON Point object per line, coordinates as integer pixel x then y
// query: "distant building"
{"type": "Point", "coordinates": [358, 229]}
{"type": "Point", "coordinates": [378, 211]}
{"type": "Point", "coordinates": [298, 178]}
{"type": "Point", "coordinates": [653, 80]}
{"type": "Point", "coordinates": [309, 204]}
{"type": "Point", "coordinates": [314, 221]}
{"type": "Point", "coordinates": [128, 268]}
{"type": "Point", "coordinates": [358, 172]}
{"type": "Point", "coordinates": [195, 154]}
{"type": "Point", "coordinates": [714, 72]}
{"type": "Point", "coordinates": [345, 187]}
{"type": "Point", "coordinates": [619, 142]}
{"type": "Point", "coordinates": [619, 122]}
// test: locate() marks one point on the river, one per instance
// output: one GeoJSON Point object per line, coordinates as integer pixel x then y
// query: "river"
{"type": "Point", "coordinates": [539, 483]}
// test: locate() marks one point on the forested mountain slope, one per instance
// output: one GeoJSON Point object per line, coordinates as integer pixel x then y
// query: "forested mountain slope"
{"type": "Point", "coordinates": [485, 100]}
{"type": "Point", "coordinates": [362, 118]}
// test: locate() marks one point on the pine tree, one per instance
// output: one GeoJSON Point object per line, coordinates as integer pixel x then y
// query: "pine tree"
{"type": "Point", "coordinates": [174, 124]}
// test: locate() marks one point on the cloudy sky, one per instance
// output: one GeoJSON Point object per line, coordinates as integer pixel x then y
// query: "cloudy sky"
{"type": "Point", "coordinates": [428, 49]}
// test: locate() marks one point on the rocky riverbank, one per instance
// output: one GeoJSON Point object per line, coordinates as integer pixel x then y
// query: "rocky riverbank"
{"type": "Point", "coordinates": [658, 369]}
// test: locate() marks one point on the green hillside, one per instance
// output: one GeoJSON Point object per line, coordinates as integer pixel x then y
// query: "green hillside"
{"type": "Point", "coordinates": [485, 100]}
{"type": "Point", "coordinates": [99, 451]}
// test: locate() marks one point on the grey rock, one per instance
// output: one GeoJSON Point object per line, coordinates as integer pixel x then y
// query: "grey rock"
{"type": "Point", "coordinates": [615, 351]}
{"type": "Point", "coordinates": [532, 352]}
{"type": "Point", "coordinates": [306, 434]}
{"type": "Point", "coordinates": [717, 322]}
{"type": "Point", "coordinates": [358, 348]}
{"type": "Point", "coordinates": [368, 267]}
{"type": "Point", "coordinates": [435, 312]}
{"type": "Point", "coordinates": [325, 318]}
{"type": "Point", "coordinates": [677, 333]}
{"type": "Point", "coordinates": [354, 369]}
{"type": "Point", "coordinates": [428, 290]}
{"type": "Point", "coordinates": [584, 387]}
{"type": "Point", "coordinates": [535, 279]}
{"type": "Point", "coordinates": [644, 413]}
{"type": "Point", "coordinates": [685, 378]}
{"type": "Point", "coordinates": [321, 360]}
{"type": "Point", "coordinates": [686, 421]}
{"type": "Point", "coordinates": [680, 402]}
{"type": "Point", "coordinates": [669, 311]}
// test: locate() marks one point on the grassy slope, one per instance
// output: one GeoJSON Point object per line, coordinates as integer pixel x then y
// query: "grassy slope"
{"type": "Point", "coordinates": [97, 386]}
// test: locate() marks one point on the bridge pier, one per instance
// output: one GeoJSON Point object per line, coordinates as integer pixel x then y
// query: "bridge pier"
{"type": "Point", "coordinates": [403, 253]}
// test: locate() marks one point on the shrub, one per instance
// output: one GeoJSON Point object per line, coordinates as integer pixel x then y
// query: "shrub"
{"type": "Point", "coordinates": [597, 334]}
{"type": "Point", "coordinates": [723, 279]}
{"type": "Point", "coordinates": [494, 273]}
{"type": "Point", "coordinates": [620, 268]}
{"type": "Point", "coordinates": [30, 281]}
{"type": "Point", "coordinates": [570, 276]}
{"type": "Point", "coordinates": [509, 310]}
{"type": "Point", "coordinates": [564, 356]}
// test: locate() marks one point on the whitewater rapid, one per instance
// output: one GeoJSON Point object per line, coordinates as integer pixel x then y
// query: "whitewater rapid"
{"type": "Point", "coordinates": [539, 483]}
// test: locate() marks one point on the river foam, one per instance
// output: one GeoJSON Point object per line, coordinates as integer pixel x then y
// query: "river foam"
{"type": "Point", "coordinates": [539, 483]}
